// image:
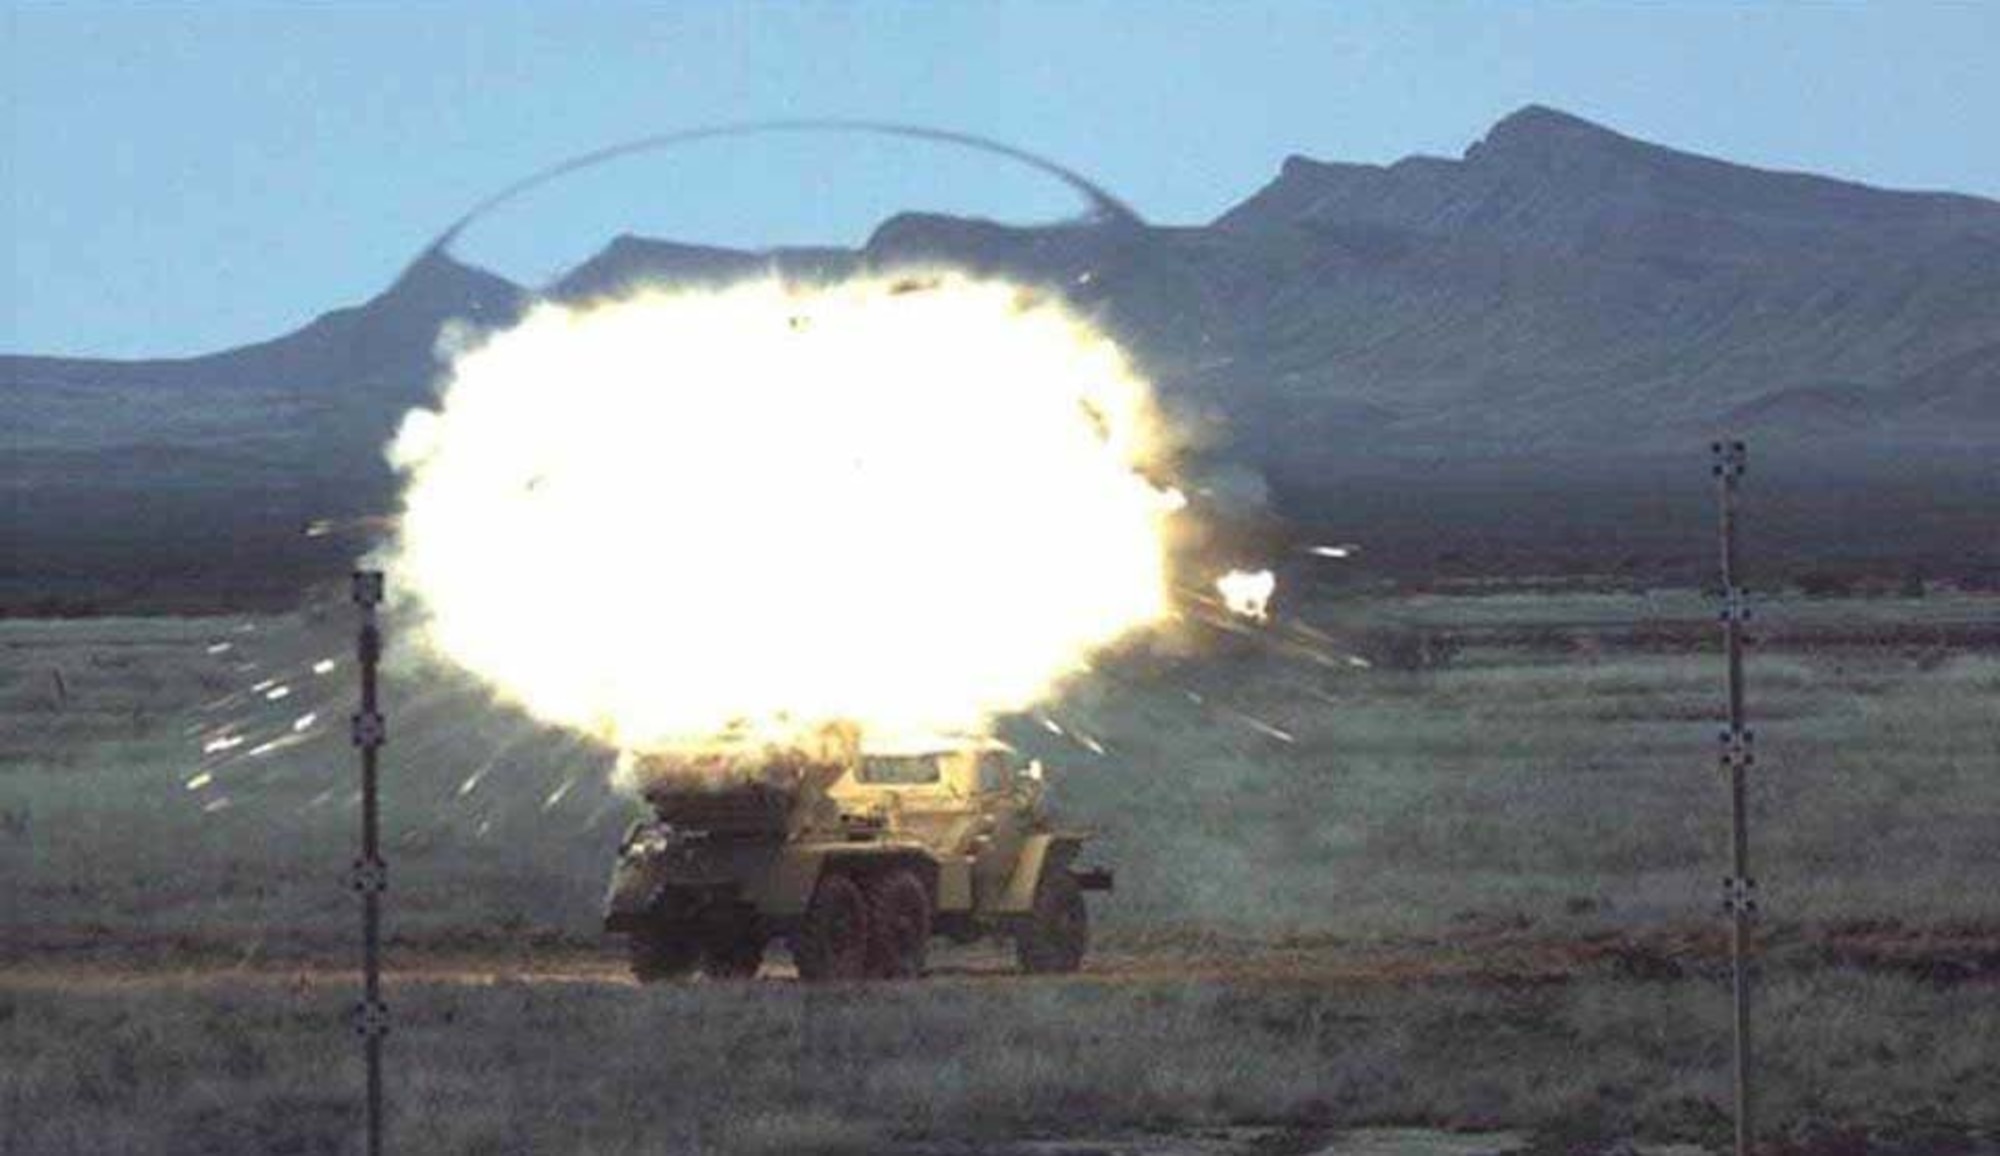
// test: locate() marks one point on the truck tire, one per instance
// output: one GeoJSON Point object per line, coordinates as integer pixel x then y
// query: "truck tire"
{"type": "Point", "coordinates": [899, 925]}
{"type": "Point", "coordinates": [831, 942]}
{"type": "Point", "coordinates": [660, 951]}
{"type": "Point", "coordinates": [737, 955]}
{"type": "Point", "coordinates": [1058, 930]}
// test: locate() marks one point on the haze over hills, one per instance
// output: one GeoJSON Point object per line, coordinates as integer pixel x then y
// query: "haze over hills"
{"type": "Point", "coordinates": [1511, 357]}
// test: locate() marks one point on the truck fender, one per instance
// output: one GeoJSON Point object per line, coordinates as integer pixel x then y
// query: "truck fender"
{"type": "Point", "coordinates": [787, 887]}
{"type": "Point", "coordinates": [1045, 851]}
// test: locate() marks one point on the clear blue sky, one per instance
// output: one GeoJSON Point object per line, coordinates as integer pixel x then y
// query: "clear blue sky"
{"type": "Point", "coordinates": [183, 178]}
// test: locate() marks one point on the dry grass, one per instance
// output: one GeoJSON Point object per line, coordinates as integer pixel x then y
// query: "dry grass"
{"type": "Point", "coordinates": [1250, 798]}
{"type": "Point", "coordinates": [1572, 792]}
{"type": "Point", "coordinates": [515, 1068]}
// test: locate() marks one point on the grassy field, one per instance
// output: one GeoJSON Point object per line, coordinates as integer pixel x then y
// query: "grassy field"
{"type": "Point", "coordinates": [778, 1068]}
{"type": "Point", "coordinates": [1415, 777]}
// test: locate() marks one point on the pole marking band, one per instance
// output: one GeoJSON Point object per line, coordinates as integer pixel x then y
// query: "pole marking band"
{"type": "Point", "coordinates": [367, 588]}
{"type": "Point", "coordinates": [369, 1019]}
{"type": "Point", "coordinates": [368, 729]}
{"type": "Point", "coordinates": [368, 877]}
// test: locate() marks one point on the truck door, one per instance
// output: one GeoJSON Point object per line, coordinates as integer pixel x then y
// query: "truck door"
{"type": "Point", "coordinates": [1001, 829]}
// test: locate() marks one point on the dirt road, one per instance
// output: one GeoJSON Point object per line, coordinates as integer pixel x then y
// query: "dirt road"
{"type": "Point", "coordinates": [1944, 955]}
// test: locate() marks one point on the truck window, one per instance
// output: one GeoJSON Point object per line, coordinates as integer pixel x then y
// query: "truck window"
{"type": "Point", "coordinates": [898, 770]}
{"type": "Point", "coordinates": [994, 773]}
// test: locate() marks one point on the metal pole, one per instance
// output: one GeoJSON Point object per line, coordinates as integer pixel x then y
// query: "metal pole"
{"type": "Point", "coordinates": [1739, 889]}
{"type": "Point", "coordinates": [370, 876]}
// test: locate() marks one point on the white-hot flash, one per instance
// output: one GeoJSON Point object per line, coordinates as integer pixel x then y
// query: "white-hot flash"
{"type": "Point", "coordinates": [1248, 592]}
{"type": "Point", "coordinates": [905, 503]}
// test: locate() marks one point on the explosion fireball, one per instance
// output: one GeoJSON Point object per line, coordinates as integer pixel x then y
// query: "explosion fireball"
{"type": "Point", "coordinates": [908, 504]}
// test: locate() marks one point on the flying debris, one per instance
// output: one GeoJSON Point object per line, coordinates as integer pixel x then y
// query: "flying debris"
{"type": "Point", "coordinates": [1262, 727]}
{"type": "Point", "coordinates": [365, 524]}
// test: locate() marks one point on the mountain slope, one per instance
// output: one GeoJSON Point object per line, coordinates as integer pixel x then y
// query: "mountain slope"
{"type": "Point", "coordinates": [1547, 178]}
{"type": "Point", "coordinates": [1560, 302]}
{"type": "Point", "coordinates": [1565, 286]}
{"type": "Point", "coordinates": [126, 478]}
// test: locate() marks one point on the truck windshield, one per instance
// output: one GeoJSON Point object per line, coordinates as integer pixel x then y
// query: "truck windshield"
{"type": "Point", "coordinates": [899, 770]}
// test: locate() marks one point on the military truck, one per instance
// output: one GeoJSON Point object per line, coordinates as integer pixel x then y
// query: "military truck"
{"type": "Point", "coordinates": [854, 856]}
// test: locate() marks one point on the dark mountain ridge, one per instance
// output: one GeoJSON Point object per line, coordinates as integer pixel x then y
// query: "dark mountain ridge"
{"type": "Point", "coordinates": [1546, 177]}
{"type": "Point", "coordinates": [1561, 301]}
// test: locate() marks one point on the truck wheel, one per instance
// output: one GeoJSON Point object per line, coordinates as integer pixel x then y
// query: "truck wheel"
{"type": "Point", "coordinates": [899, 925]}
{"type": "Point", "coordinates": [661, 951]}
{"type": "Point", "coordinates": [832, 940]}
{"type": "Point", "coordinates": [734, 956]}
{"type": "Point", "coordinates": [1058, 931]}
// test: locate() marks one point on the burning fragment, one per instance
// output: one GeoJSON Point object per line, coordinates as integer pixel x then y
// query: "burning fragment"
{"type": "Point", "coordinates": [1248, 592]}
{"type": "Point", "coordinates": [907, 503]}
